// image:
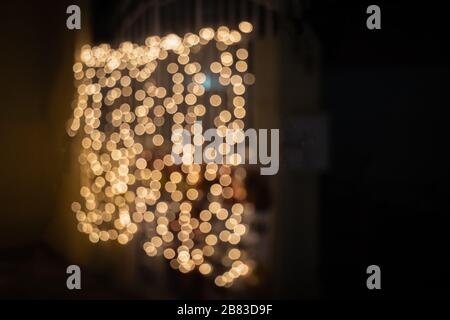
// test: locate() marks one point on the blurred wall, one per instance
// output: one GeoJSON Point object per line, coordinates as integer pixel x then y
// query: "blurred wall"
{"type": "Point", "coordinates": [39, 168]}
{"type": "Point", "coordinates": [37, 48]}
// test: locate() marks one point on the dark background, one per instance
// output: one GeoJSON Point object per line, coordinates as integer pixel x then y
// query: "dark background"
{"type": "Point", "coordinates": [384, 198]}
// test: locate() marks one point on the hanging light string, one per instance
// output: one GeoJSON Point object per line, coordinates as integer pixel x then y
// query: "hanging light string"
{"type": "Point", "coordinates": [194, 215]}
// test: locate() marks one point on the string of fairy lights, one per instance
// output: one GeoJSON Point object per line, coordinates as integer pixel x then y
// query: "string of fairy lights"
{"type": "Point", "coordinates": [194, 215]}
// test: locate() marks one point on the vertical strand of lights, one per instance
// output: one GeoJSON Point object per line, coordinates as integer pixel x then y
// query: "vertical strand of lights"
{"type": "Point", "coordinates": [194, 215]}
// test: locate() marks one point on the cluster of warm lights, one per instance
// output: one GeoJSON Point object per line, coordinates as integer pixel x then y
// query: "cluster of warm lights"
{"type": "Point", "coordinates": [127, 110]}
